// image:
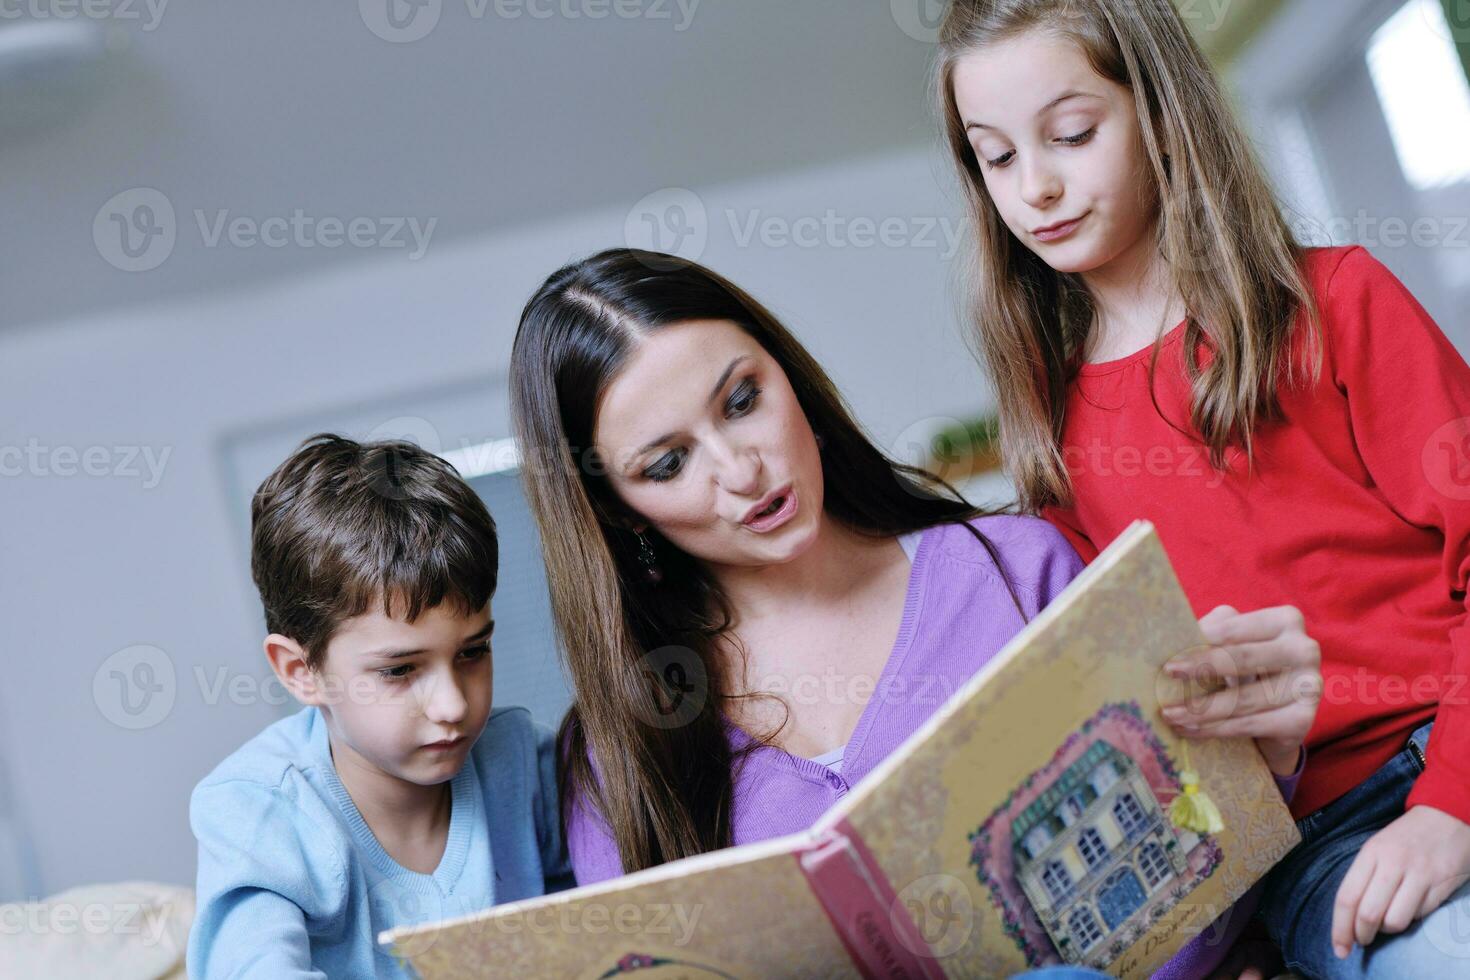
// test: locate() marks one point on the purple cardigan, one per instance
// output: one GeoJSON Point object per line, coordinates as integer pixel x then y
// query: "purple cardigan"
{"type": "Point", "coordinates": [957, 615]}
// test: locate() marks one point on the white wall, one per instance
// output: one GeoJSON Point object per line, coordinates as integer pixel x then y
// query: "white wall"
{"type": "Point", "coordinates": [97, 564]}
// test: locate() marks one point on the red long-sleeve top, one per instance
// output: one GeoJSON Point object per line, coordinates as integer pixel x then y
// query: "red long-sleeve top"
{"type": "Point", "coordinates": [1356, 511]}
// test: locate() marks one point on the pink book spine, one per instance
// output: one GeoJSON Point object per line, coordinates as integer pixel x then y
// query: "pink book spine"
{"type": "Point", "coordinates": [874, 926]}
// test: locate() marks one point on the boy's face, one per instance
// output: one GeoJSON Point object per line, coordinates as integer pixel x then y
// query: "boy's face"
{"type": "Point", "coordinates": [408, 699]}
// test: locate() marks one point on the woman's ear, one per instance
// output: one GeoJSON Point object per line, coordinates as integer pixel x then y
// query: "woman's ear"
{"type": "Point", "coordinates": [616, 515]}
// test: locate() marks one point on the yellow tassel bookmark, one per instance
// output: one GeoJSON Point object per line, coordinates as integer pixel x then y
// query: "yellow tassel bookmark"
{"type": "Point", "coordinates": [1193, 809]}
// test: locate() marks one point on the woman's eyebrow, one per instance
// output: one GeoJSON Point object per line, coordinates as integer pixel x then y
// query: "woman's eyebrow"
{"type": "Point", "coordinates": [724, 376]}
{"type": "Point", "coordinates": [1069, 94]}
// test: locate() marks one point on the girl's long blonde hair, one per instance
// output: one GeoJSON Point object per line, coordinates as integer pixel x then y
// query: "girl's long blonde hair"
{"type": "Point", "coordinates": [1224, 241]}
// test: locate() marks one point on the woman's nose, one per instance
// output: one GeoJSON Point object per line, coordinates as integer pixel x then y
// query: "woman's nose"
{"type": "Point", "coordinates": [738, 471]}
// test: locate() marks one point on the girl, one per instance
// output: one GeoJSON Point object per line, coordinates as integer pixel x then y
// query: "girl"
{"type": "Point", "coordinates": [714, 522]}
{"type": "Point", "coordinates": [1291, 420]}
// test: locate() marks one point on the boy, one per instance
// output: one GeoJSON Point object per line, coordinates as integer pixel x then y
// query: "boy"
{"type": "Point", "coordinates": [396, 795]}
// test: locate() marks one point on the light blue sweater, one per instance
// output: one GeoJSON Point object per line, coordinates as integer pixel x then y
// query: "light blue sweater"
{"type": "Point", "coordinates": [292, 883]}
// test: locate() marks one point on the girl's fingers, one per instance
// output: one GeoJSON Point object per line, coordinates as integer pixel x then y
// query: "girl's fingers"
{"type": "Point", "coordinates": [1345, 906]}
{"type": "Point", "coordinates": [1240, 660]}
{"type": "Point", "coordinates": [1263, 694]}
{"type": "Point", "coordinates": [1404, 908]}
{"type": "Point", "coordinates": [1375, 902]}
{"type": "Point", "coordinates": [1438, 891]}
{"type": "Point", "coordinates": [1289, 721]}
{"type": "Point", "coordinates": [1252, 627]}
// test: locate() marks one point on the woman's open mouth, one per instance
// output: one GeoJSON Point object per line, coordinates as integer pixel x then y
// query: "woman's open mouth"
{"type": "Point", "coordinates": [778, 511]}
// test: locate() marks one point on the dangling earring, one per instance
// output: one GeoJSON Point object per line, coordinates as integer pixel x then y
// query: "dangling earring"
{"type": "Point", "coordinates": [651, 571]}
{"type": "Point", "coordinates": [820, 440]}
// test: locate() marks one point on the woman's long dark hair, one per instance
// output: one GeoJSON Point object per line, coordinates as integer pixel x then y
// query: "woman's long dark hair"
{"type": "Point", "coordinates": [665, 792]}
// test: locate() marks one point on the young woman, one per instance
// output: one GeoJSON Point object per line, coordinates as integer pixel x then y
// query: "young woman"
{"type": "Point", "coordinates": [714, 520]}
{"type": "Point", "coordinates": [1161, 348]}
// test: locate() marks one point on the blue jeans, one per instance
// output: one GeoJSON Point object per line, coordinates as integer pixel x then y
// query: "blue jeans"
{"type": "Point", "coordinates": [1300, 891]}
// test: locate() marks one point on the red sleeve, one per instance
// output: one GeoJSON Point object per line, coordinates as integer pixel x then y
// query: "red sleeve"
{"type": "Point", "coordinates": [1408, 393]}
{"type": "Point", "coordinates": [1065, 521]}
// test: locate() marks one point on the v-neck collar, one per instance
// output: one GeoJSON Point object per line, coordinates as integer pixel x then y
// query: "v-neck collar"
{"type": "Point", "coordinates": [462, 790]}
{"type": "Point", "coordinates": [897, 655]}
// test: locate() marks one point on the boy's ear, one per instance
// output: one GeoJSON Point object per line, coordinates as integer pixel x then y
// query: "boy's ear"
{"type": "Point", "coordinates": [288, 661]}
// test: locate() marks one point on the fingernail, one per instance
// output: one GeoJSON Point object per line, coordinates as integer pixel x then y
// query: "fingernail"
{"type": "Point", "coordinates": [1173, 710]}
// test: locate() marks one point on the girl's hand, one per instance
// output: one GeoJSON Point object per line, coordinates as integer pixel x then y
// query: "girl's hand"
{"type": "Point", "coordinates": [1403, 873]}
{"type": "Point", "coordinates": [1273, 675]}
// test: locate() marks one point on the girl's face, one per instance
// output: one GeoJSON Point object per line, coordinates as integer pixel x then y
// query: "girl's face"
{"type": "Point", "coordinates": [1060, 150]}
{"type": "Point", "coordinates": [702, 437]}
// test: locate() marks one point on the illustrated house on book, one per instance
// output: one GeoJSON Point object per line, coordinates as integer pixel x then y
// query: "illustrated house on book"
{"type": "Point", "coordinates": [1093, 850]}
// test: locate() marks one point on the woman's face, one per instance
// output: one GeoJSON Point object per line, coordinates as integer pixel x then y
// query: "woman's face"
{"type": "Point", "coordinates": [702, 438]}
{"type": "Point", "coordinates": [1060, 150]}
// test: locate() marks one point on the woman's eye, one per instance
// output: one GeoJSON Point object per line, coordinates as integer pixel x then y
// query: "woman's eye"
{"type": "Point", "coordinates": [1079, 139]}
{"type": "Point", "coordinates": [1001, 160]}
{"type": "Point", "coordinates": [397, 673]}
{"type": "Point", "coordinates": [666, 468]}
{"type": "Point", "coordinates": [742, 400]}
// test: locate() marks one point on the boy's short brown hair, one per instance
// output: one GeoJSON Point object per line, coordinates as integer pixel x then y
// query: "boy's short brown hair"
{"type": "Point", "coordinates": [341, 525]}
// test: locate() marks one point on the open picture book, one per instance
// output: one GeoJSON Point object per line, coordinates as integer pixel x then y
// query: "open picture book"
{"type": "Point", "coordinates": [1040, 816]}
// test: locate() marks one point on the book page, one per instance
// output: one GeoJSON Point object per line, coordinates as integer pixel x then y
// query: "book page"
{"type": "Point", "coordinates": [1027, 822]}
